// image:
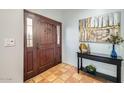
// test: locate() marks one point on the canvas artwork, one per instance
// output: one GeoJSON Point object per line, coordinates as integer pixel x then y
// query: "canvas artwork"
{"type": "Point", "coordinates": [98, 29]}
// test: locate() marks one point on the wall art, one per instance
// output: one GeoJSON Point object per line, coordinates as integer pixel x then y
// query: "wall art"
{"type": "Point", "coordinates": [99, 28]}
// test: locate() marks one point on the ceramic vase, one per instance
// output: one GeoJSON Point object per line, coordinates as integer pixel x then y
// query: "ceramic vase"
{"type": "Point", "coordinates": [113, 53]}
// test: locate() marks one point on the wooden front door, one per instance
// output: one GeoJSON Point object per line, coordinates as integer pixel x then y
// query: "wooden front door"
{"type": "Point", "coordinates": [46, 44]}
{"type": "Point", "coordinates": [42, 44]}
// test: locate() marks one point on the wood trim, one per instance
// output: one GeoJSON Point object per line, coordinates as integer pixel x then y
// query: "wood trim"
{"type": "Point", "coordinates": [57, 22]}
{"type": "Point", "coordinates": [23, 45]}
{"type": "Point", "coordinates": [61, 40]}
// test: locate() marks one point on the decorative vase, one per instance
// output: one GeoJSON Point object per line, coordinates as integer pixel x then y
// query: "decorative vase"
{"type": "Point", "coordinates": [113, 54]}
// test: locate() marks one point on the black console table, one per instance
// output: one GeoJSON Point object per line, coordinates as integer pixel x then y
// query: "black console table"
{"type": "Point", "coordinates": [104, 59]}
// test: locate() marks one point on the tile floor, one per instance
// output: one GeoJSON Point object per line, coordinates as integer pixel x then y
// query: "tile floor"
{"type": "Point", "coordinates": [64, 73]}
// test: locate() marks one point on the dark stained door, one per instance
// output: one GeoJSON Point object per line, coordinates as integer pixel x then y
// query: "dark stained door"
{"type": "Point", "coordinates": [42, 44]}
{"type": "Point", "coordinates": [46, 44]}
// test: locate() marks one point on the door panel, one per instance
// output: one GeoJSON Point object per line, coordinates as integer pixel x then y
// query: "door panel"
{"type": "Point", "coordinates": [46, 45]}
{"type": "Point", "coordinates": [29, 62]}
{"type": "Point", "coordinates": [42, 57]}
{"type": "Point", "coordinates": [45, 34]}
{"type": "Point", "coordinates": [29, 46]}
{"type": "Point", "coordinates": [58, 56]}
{"type": "Point", "coordinates": [46, 57]}
{"type": "Point", "coordinates": [57, 29]}
{"type": "Point", "coordinates": [50, 56]}
{"type": "Point", "coordinates": [50, 34]}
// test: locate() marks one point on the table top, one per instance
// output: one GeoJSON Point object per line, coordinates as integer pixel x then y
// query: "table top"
{"type": "Point", "coordinates": [101, 55]}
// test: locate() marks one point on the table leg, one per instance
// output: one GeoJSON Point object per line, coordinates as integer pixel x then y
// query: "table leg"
{"type": "Point", "coordinates": [81, 64]}
{"type": "Point", "coordinates": [78, 65]}
{"type": "Point", "coordinates": [118, 74]}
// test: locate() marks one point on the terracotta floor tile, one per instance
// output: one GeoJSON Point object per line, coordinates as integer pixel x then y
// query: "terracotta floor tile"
{"type": "Point", "coordinates": [63, 70]}
{"type": "Point", "coordinates": [53, 69]}
{"type": "Point", "coordinates": [36, 79]}
{"type": "Point", "coordinates": [62, 65]}
{"type": "Point", "coordinates": [44, 81]}
{"type": "Point", "coordinates": [68, 73]}
{"type": "Point", "coordinates": [64, 77]}
{"type": "Point", "coordinates": [72, 80]}
{"type": "Point", "coordinates": [58, 73]}
{"type": "Point", "coordinates": [77, 76]}
{"type": "Point", "coordinates": [67, 67]}
{"type": "Point", "coordinates": [51, 78]}
{"type": "Point", "coordinates": [64, 73]}
{"type": "Point", "coordinates": [29, 81]}
{"type": "Point", "coordinates": [58, 81]}
{"type": "Point", "coordinates": [85, 81]}
{"type": "Point", "coordinates": [46, 74]}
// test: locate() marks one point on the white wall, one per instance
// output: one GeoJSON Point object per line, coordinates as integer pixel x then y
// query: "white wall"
{"type": "Point", "coordinates": [55, 14]}
{"type": "Point", "coordinates": [71, 40]}
{"type": "Point", "coordinates": [11, 58]}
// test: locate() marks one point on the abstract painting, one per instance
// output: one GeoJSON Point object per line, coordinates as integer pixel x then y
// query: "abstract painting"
{"type": "Point", "coordinates": [99, 29]}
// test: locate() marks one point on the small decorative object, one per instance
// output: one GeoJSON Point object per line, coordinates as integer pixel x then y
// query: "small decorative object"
{"type": "Point", "coordinates": [114, 39]}
{"type": "Point", "coordinates": [90, 69]}
{"type": "Point", "coordinates": [83, 48]}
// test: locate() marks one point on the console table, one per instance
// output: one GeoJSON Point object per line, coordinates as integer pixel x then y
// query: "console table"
{"type": "Point", "coordinates": [104, 59]}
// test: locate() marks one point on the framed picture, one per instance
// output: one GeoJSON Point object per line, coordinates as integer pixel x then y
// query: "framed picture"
{"type": "Point", "coordinates": [99, 28]}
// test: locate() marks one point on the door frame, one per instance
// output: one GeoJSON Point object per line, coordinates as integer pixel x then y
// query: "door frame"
{"type": "Point", "coordinates": [24, 37]}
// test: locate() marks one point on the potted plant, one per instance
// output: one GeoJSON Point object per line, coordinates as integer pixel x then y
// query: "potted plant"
{"type": "Point", "coordinates": [114, 39]}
